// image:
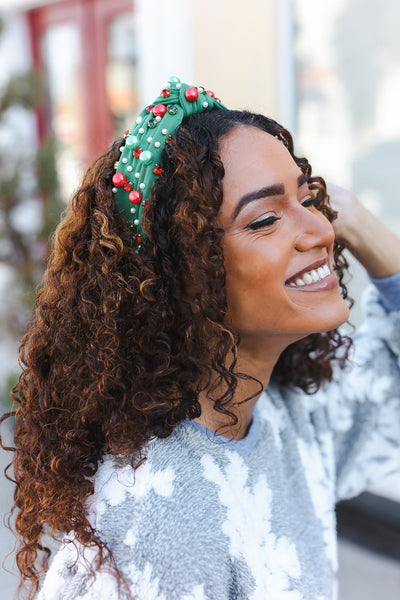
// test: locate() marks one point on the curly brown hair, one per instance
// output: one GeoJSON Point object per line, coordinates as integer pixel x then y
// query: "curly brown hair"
{"type": "Point", "coordinates": [119, 349]}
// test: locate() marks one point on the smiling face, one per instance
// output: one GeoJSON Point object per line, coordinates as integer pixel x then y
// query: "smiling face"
{"type": "Point", "coordinates": [278, 248]}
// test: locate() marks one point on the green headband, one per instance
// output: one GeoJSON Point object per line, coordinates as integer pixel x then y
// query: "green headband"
{"type": "Point", "coordinates": [140, 160]}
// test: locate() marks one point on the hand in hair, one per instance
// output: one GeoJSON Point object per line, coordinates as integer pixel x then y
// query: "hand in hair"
{"type": "Point", "coordinates": [373, 244]}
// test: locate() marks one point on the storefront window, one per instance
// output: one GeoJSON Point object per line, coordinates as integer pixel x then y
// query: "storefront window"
{"type": "Point", "coordinates": [86, 51]}
{"type": "Point", "coordinates": [348, 120]}
{"type": "Point", "coordinates": [62, 59]}
{"type": "Point", "coordinates": [348, 92]}
{"type": "Point", "coordinates": [121, 72]}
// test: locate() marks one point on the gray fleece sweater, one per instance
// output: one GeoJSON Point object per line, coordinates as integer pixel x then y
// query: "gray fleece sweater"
{"type": "Point", "coordinates": [207, 518]}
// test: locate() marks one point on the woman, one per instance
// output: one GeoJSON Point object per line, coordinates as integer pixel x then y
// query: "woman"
{"type": "Point", "coordinates": [189, 415]}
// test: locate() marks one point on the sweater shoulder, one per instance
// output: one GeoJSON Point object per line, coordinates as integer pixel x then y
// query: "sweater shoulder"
{"type": "Point", "coordinates": [167, 496]}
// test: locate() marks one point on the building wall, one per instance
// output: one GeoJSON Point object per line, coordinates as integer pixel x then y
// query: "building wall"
{"type": "Point", "coordinates": [165, 43]}
{"type": "Point", "coordinates": [235, 52]}
{"type": "Point", "coordinates": [222, 45]}
{"type": "Point", "coordinates": [14, 6]}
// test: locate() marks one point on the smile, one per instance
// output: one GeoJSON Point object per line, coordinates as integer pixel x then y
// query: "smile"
{"type": "Point", "coordinates": [312, 276]}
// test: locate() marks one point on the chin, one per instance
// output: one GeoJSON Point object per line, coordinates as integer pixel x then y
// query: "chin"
{"type": "Point", "coordinates": [338, 315]}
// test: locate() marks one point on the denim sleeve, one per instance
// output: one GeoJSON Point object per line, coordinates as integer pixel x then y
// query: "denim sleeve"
{"type": "Point", "coordinates": [389, 291]}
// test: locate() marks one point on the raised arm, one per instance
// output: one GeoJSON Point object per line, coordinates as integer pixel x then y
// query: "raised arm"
{"type": "Point", "coordinates": [375, 246]}
{"type": "Point", "coordinates": [362, 401]}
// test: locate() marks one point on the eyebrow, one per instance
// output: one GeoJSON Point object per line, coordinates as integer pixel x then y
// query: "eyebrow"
{"type": "Point", "coordinates": [277, 189]}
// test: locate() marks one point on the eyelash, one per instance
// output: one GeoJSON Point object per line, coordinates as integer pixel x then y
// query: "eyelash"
{"type": "Point", "coordinates": [310, 201]}
{"type": "Point", "coordinates": [263, 223]}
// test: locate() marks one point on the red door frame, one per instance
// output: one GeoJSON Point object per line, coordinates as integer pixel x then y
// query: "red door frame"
{"type": "Point", "coordinates": [92, 18]}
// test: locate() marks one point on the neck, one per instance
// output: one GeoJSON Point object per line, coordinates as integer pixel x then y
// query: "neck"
{"type": "Point", "coordinates": [259, 366]}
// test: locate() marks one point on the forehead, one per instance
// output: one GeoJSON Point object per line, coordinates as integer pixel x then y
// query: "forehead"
{"type": "Point", "coordinates": [253, 158]}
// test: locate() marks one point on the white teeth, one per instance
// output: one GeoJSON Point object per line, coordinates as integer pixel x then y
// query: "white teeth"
{"type": "Point", "coordinates": [307, 278]}
{"type": "Point", "coordinates": [312, 276]}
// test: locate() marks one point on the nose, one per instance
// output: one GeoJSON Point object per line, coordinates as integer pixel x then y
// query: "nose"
{"type": "Point", "coordinates": [314, 230]}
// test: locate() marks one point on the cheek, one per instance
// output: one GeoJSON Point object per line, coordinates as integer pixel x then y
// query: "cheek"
{"type": "Point", "coordinates": [255, 265]}
{"type": "Point", "coordinates": [254, 280]}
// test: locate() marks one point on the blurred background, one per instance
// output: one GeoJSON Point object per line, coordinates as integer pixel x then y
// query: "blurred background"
{"type": "Point", "coordinates": [73, 74]}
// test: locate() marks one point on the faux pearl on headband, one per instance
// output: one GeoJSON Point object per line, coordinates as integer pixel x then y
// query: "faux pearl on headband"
{"type": "Point", "coordinates": [141, 153]}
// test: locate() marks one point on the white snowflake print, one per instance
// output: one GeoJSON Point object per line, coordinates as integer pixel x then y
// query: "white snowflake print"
{"type": "Point", "coordinates": [320, 480]}
{"type": "Point", "coordinates": [197, 594]}
{"type": "Point", "coordinates": [144, 585]}
{"type": "Point", "coordinates": [272, 560]}
{"type": "Point", "coordinates": [114, 485]}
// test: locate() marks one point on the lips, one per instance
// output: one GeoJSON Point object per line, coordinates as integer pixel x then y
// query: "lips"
{"type": "Point", "coordinates": [311, 274]}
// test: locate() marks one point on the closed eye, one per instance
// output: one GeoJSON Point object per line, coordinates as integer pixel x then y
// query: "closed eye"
{"type": "Point", "coordinates": [267, 222]}
{"type": "Point", "coordinates": [310, 201]}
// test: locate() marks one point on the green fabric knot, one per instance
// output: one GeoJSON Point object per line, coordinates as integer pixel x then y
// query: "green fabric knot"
{"type": "Point", "coordinates": [144, 145]}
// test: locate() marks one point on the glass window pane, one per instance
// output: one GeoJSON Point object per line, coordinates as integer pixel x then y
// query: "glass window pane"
{"type": "Point", "coordinates": [121, 71]}
{"type": "Point", "coordinates": [348, 88]}
{"type": "Point", "coordinates": [348, 117]}
{"type": "Point", "coordinates": [62, 59]}
{"type": "Point", "coordinates": [348, 78]}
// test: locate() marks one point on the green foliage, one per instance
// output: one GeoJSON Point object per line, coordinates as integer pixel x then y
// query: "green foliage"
{"type": "Point", "coordinates": [28, 176]}
{"type": "Point", "coordinates": [47, 180]}
{"type": "Point", "coordinates": [5, 397]}
{"type": "Point", "coordinates": [21, 90]}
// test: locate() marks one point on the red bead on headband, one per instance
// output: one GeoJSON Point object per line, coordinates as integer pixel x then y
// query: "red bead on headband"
{"type": "Point", "coordinates": [140, 161]}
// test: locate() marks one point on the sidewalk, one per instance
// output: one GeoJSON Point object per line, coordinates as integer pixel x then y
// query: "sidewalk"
{"type": "Point", "coordinates": [364, 575]}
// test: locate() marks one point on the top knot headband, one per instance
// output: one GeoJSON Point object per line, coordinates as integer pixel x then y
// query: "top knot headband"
{"type": "Point", "coordinates": [140, 160]}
